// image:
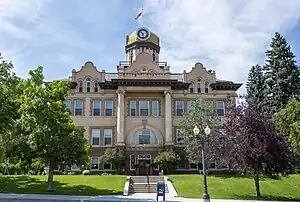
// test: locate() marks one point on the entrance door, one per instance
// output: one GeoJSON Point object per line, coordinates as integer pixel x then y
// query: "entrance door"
{"type": "Point", "coordinates": [144, 167]}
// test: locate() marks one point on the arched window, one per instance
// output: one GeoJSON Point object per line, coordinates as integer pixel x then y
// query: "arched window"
{"type": "Point", "coordinates": [206, 87]}
{"type": "Point", "coordinates": [95, 86]}
{"type": "Point", "coordinates": [199, 85]}
{"type": "Point", "coordinates": [88, 85]}
{"type": "Point", "coordinates": [192, 87]}
{"type": "Point", "coordinates": [153, 56]}
{"type": "Point", "coordinates": [80, 89]}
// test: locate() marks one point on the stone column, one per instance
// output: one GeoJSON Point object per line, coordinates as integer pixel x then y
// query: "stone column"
{"type": "Point", "coordinates": [168, 118]}
{"type": "Point", "coordinates": [120, 118]}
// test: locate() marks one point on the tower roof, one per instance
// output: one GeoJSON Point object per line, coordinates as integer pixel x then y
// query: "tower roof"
{"type": "Point", "coordinates": [133, 38]}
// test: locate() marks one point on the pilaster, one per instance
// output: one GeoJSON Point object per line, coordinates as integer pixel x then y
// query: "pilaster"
{"type": "Point", "coordinates": [168, 117]}
{"type": "Point", "coordinates": [120, 117]}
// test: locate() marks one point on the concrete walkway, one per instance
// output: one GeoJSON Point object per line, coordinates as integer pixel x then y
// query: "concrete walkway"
{"type": "Point", "coordinates": [71, 198]}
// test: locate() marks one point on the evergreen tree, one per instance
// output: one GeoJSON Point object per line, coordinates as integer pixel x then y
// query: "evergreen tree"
{"type": "Point", "coordinates": [255, 86]}
{"type": "Point", "coordinates": [282, 75]}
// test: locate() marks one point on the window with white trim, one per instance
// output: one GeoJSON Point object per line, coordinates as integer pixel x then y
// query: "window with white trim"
{"type": "Point", "coordinates": [68, 104]}
{"type": "Point", "coordinates": [88, 85]}
{"type": "Point", "coordinates": [95, 163]}
{"type": "Point", "coordinates": [220, 106]}
{"type": "Point", "coordinates": [179, 108]}
{"type": "Point", "coordinates": [155, 108]}
{"type": "Point", "coordinates": [144, 107]}
{"type": "Point", "coordinates": [132, 108]}
{"type": "Point", "coordinates": [199, 85]}
{"type": "Point", "coordinates": [107, 136]}
{"type": "Point", "coordinates": [144, 136]}
{"type": "Point", "coordinates": [96, 137]}
{"type": "Point", "coordinates": [96, 107]}
{"type": "Point", "coordinates": [108, 107]}
{"type": "Point", "coordinates": [95, 86]}
{"type": "Point", "coordinates": [80, 86]}
{"type": "Point", "coordinates": [179, 137]}
{"type": "Point", "coordinates": [78, 109]}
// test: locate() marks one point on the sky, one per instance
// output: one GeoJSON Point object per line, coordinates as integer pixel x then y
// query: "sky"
{"type": "Point", "coordinates": [228, 36]}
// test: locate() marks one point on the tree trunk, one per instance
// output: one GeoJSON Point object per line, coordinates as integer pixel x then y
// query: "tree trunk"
{"type": "Point", "coordinates": [50, 174]}
{"type": "Point", "coordinates": [257, 188]}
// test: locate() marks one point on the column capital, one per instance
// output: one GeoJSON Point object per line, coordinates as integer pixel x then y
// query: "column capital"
{"type": "Point", "coordinates": [168, 92]}
{"type": "Point", "coordinates": [120, 91]}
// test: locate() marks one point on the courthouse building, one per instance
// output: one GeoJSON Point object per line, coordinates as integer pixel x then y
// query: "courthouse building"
{"type": "Point", "coordinates": [139, 106]}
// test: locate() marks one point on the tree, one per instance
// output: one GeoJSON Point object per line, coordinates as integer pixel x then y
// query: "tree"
{"type": "Point", "coordinates": [115, 156]}
{"type": "Point", "coordinates": [288, 121]}
{"type": "Point", "coordinates": [255, 143]}
{"type": "Point", "coordinates": [166, 159]}
{"type": "Point", "coordinates": [255, 86]}
{"type": "Point", "coordinates": [46, 124]}
{"type": "Point", "coordinates": [281, 74]}
{"type": "Point", "coordinates": [201, 114]}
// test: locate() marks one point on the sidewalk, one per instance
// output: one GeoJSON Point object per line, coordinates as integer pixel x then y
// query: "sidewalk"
{"type": "Point", "coordinates": [71, 198]}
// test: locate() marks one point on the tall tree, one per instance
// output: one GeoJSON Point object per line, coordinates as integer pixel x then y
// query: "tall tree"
{"type": "Point", "coordinates": [255, 144]}
{"type": "Point", "coordinates": [202, 114]}
{"type": "Point", "coordinates": [52, 132]}
{"type": "Point", "coordinates": [282, 75]}
{"type": "Point", "coordinates": [255, 86]}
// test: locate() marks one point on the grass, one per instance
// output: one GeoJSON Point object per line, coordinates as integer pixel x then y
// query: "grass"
{"type": "Point", "coordinates": [238, 187]}
{"type": "Point", "coordinates": [90, 185]}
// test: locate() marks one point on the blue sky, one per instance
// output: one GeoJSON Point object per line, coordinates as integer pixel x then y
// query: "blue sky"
{"type": "Point", "coordinates": [228, 36]}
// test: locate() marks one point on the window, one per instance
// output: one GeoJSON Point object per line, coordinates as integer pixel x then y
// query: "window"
{"type": "Point", "coordinates": [191, 105]}
{"type": "Point", "coordinates": [80, 88]}
{"type": "Point", "coordinates": [153, 56]}
{"type": "Point", "coordinates": [193, 166]}
{"type": "Point", "coordinates": [95, 137]}
{"type": "Point", "coordinates": [179, 107]}
{"type": "Point", "coordinates": [78, 108]}
{"type": "Point", "coordinates": [95, 86]}
{"type": "Point", "coordinates": [144, 136]}
{"type": "Point", "coordinates": [206, 87]}
{"type": "Point", "coordinates": [144, 107]}
{"type": "Point", "coordinates": [132, 162]}
{"type": "Point", "coordinates": [108, 136]}
{"type": "Point", "coordinates": [88, 85]}
{"type": "Point", "coordinates": [155, 108]}
{"type": "Point", "coordinates": [179, 137]}
{"type": "Point", "coordinates": [108, 107]}
{"type": "Point", "coordinates": [96, 107]}
{"type": "Point", "coordinates": [199, 86]}
{"type": "Point", "coordinates": [68, 104]}
{"type": "Point", "coordinates": [132, 107]}
{"type": "Point", "coordinates": [107, 166]}
{"type": "Point", "coordinates": [220, 108]}
{"type": "Point", "coordinates": [95, 163]}
{"type": "Point", "coordinates": [222, 131]}
{"type": "Point", "coordinates": [74, 167]}
{"type": "Point", "coordinates": [192, 87]}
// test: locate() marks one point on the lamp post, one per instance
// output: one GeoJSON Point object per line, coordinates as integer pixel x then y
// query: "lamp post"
{"type": "Point", "coordinates": [205, 196]}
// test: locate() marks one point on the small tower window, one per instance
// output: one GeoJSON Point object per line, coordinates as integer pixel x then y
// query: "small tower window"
{"type": "Point", "coordinates": [153, 56]}
{"type": "Point", "coordinates": [80, 89]}
{"type": "Point", "coordinates": [131, 56]}
{"type": "Point", "coordinates": [199, 86]}
{"type": "Point", "coordinates": [88, 85]}
{"type": "Point", "coordinates": [95, 86]}
{"type": "Point", "coordinates": [192, 87]}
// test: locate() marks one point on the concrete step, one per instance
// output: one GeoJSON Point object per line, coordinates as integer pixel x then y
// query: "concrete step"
{"type": "Point", "coordinates": [143, 179]}
{"type": "Point", "coordinates": [144, 188]}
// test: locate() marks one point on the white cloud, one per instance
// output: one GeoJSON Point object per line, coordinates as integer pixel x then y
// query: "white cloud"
{"type": "Point", "coordinates": [226, 35]}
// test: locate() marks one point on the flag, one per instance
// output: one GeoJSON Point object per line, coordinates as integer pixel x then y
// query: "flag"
{"type": "Point", "coordinates": [139, 15]}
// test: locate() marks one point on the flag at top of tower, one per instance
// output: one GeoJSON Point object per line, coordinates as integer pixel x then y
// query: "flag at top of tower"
{"type": "Point", "coordinates": [139, 15]}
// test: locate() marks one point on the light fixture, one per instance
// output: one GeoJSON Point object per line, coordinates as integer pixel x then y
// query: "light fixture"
{"type": "Point", "coordinates": [196, 130]}
{"type": "Point", "coordinates": [207, 130]}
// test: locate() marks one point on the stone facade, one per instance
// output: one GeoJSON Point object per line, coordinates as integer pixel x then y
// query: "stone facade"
{"type": "Point", "coordinates": [138, 107]}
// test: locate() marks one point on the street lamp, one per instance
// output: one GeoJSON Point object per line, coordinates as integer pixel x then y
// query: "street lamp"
{"type": "Point", "coordinates": [205, 196]}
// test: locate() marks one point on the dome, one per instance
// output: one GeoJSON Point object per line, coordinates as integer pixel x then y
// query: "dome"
{"type": "Point", "coordinates": [133, 37]}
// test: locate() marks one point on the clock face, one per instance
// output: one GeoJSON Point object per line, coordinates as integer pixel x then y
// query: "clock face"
{"type": "Point", "coordinates": [143, 34]}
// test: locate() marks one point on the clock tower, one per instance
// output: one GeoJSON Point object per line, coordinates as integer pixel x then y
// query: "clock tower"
{"type": "Point", "coordinates": [142, 40]}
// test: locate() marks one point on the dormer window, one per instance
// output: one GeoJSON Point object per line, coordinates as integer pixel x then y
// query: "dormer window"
{"type": "Point", "coordinates": [88, 85]}
{"type": "Point", "coordinates": [95, 86]}
{"type": "Point", "coordinates": [80, 89]}
{"type": "Point", "coordinates": [199, 85]}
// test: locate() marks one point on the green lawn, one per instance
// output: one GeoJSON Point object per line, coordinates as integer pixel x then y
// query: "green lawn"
{"type": "Point", "coordinates": [225, 187]}
{"type": "Point", "coordinates": [90, 185]}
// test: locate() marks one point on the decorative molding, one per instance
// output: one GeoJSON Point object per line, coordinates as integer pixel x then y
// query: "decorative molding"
{"type": "Point", "coordinates": [168, 92]}
{"type": "Point", "coordinates": [144, 122]}
{"type": "Point", "coordinates": [120, 91]}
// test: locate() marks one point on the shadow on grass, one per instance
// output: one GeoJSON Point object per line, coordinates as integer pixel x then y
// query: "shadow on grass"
{"type": "Point", "coordinates": [266, 197]}
{"type": "Point", "coordinates": [29, 185]}
{"type": "Point", "coordinates": [230, 175]}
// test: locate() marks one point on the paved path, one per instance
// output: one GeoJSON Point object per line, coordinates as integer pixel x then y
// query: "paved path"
{"type": "Point", "coordinates": [71, 198]}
